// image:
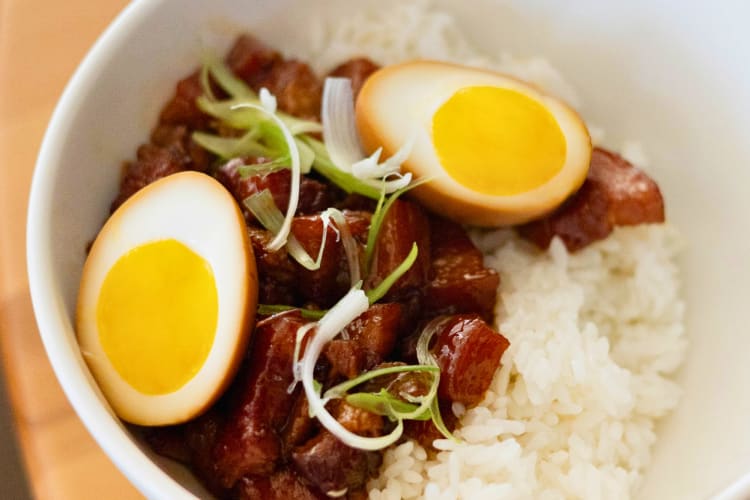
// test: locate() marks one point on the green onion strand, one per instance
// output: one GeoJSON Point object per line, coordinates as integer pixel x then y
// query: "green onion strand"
{"type": "Point", "coordinates": [379, 291]}
{"type": "Point", "coordinates": [269, 309]}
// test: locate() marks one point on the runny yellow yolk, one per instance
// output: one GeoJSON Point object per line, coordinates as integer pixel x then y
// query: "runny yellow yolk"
{"type": "Point", "coordinates": [157, 315]}
{"type": "Point", "coordinates": [497, 141]}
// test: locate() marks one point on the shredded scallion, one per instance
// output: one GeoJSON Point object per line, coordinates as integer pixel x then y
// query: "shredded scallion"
{"type": "Point", "coordinates": [325, 167]}
{"type": "Point", "coordinates": [425, 357]}
{"type": "Point", "coordinates": [233, 147]}
{"type": "Point", "coordinates": [263, 207]}
{"type": "Point", "coordinates": [381, 210]}
{"type": "Point", "coordinates": [379, 291]}
{"type": "Point", "coordinates": [347, 241]}
{"type": "Point", "coordinates": [224, 77]}
{"type": "Point", "coordinates": [342, 141]}
{"type": "Point", "coordinates": [269, 309]}
{"type": "Point", "coordinates": [281, 236]}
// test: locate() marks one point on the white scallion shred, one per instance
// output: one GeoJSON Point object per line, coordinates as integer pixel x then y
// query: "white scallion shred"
{"type": "Point", "coordinates": [347, 240]}
{"type": "Point", "coordinates": [342, 141]}
{"type": "Point", "coordinates": [297, 366]}
{"type": "Point", "coordinates": [339, 127]}
{"type": "Point", "coordinates": [267, 100]}
{"type": "Point", "coordinates": [281, 236]}
{"type": "Point", "coordinates": [425, 357]}
{"type": "Point", "coordinates": [268, 214]}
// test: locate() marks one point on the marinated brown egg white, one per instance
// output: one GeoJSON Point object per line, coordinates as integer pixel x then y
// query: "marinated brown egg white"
{"type": "Point", "coordinates": [162, 317]}
{"type": "Point", "coordinates": [497, 150]}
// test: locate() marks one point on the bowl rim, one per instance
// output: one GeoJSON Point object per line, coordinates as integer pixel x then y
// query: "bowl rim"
{"type": "Point", "coordinates": [49, 309]}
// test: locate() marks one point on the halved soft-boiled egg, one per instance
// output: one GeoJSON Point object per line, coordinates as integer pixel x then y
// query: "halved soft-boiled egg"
{"type": "Point", "coordinates": [167, 300]}
{"type": "Point", "coordinates": [498, 151]}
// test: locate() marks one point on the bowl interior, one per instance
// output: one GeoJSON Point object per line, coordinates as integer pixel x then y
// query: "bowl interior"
{"type": "Point", "coordinates": [674, 83]}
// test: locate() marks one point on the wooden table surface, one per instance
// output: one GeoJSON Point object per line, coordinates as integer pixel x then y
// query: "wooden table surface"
{"type": "Point", "coordinates": [41, 43]}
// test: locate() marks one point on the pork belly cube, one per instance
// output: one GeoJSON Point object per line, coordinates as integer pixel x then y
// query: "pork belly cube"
{"type": "Point", "coordinates": [314, 196]}
{"type": "Point", "coordinates": [358, 70]}
{"type": "Point", "coordinates": [615, 193]}
{"type": "Point", "coordinates": [299, 426]}
{"type": "Point", "coordinates": [365, 342]}
{"type": "Point", "coordinates": [180, 136]}
{"type": "Point", "coordinates": [357, 420]}
{"type": "Point", "coordinates": [281, 485]}
{"type": "Point", "coordinates": [327, 284]}
{"type": "Point", "coordinates": [377, 328]}
{"type": "Point", "coordinates": [250, 59]}
{"type": "Point", "coordinates": [634, 197]}
{"type": "Point", "coordinates": [468, 352]}
{"type": "Point", "coordinates": [404, 224]}
{"type": "Point", "coordinates": [330, 466]}
{"type": "Point", "coordinates": [182, 109]}
{"type": "Point", "coordinates": [460, 282]}
{"type": "Point", "coordinates": [152, 163]}
{"type": "Point", "coordinates": [297, 88]}
{"type": "Point", "coordinates": [425, 432]}
{"type": "Point", "coordinates": [259, 403]}
{"type": "Point", "coordinates": [277, 274]}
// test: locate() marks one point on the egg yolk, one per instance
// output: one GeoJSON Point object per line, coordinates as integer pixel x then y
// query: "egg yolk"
{"type": "Point", "coordinates": [157, 314]}
{"type": "Point", "coordinates": [497, 141]}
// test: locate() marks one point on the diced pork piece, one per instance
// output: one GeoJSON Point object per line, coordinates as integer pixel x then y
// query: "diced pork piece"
{"type": "Point", "coordinates": [425, 432]}
{"type": "Point", "coordinates": [330, 466]}
{"type": "Point", "coordinates": [357, 202]}
{"type": "Point", "coordinates": [250, 59]}
{"type": "Point", "coordinates": [371, 338]}
{"type": "Point", "coordinates": [181, 136]}
{"type": "Point", "coordinates": [460, 282]}
{"type": "Point", "coordinates": [182, 108]}
{"type": "Point", "coordinates": [412, 384]}
{"type": "Point", "coordinates": [468, 353]}
{"type": "Point", "coordinates": [277, 274]}
{"type": "Point", "coordinates": [314, 196]}
{"type": "Point", "coordinates": [348, 359]}
{"type": "Point", "coordinates": [357, 420]}
{"type": "Point", "coordinates": [377, 328]}
{"type": "Point", "coordinates": [281, 485]}
{"type": "Point", "coordinates": [259, 403]}
{"type": "Point", "coordinates": [404, 224]}
{"type": "Point", "coordinates": [201, 435]}
{"type": "Point", "coordinates": [615, 193]}
{"type": "Point", "coordinates": [299, 426]}
{"type": "Point", "coordinates": [327, 284]}
{"type": "Point", "coordinates": [297, 89]}
{"type": "Point", "coordinates": [357, 70]}
{"type": "Point", "coordinates": [634, 197]}
{"type": "Point", "coordinates": [169, 441]}
{"type": "Point", "coordinates": [152, 163]}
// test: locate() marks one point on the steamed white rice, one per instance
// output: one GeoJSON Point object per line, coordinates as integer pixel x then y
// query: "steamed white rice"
{"type": "Point", "coordinates": [594, 335]}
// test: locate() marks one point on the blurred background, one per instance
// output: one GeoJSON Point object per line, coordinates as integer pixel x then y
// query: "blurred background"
{"type": "Point", "coordinates": [45, 452]}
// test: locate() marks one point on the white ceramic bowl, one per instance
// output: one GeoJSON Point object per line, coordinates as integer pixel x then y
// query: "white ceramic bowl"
{"type": "Point", "coordinates": [674, 75]}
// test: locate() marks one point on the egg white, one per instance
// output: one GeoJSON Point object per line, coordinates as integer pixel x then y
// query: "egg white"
{"type": "Point", "coordinates": [197, 211]}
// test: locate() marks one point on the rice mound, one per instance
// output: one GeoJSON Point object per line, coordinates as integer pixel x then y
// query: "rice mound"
{"type": "Point", "coordinates": [594, 335]}
{"type": "Point", "coordinates": [571, 412]}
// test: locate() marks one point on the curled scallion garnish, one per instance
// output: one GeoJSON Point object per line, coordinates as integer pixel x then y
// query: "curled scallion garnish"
{"type": "Point", "coordinates": [425, 357]}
